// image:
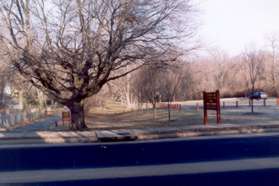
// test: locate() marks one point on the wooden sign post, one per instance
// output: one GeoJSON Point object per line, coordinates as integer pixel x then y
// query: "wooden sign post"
{"type": "Point", "coordinates": [66, 117]}
{"type": "Point", "coordinates": [211, 101]}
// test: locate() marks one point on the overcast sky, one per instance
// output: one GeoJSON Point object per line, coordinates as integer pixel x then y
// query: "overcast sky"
{"type": "Point", "coordinates": [233, 25]}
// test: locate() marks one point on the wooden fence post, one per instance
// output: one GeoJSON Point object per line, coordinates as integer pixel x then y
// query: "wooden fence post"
{"type": "Point", "coordinates": [197, 107]}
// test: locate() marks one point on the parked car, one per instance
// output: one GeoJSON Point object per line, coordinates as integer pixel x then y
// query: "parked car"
{"type": "Point", "coordinates": [257, 95]}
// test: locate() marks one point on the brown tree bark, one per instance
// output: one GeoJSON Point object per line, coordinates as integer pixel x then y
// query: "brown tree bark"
{"type": "Point", "coordinates": [154, 110]}
{"type": "Point", "coordinates": [77, 116]}
{"type": "Point", "coordinates": [169, 110]}
{"type": "Point", "coordinates": [252, 99]}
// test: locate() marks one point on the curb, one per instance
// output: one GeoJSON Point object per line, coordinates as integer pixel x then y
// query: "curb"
{"type": "Point", "coordinates": [196, 132]}
{"type": "Point", "coordinates": [46, 137]}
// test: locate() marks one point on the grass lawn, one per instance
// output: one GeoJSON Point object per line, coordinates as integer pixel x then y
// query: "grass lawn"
{"type": "Point", "coordinates": [117, 117]}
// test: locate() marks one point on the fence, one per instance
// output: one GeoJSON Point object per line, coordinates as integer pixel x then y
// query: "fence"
{"type": "Point", "coordinates": [242, 103]}
{"type": "Point", "coordinates": [172, 106]}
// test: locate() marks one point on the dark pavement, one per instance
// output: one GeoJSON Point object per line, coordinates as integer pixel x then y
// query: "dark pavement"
{"type": "Point", "coordinates": [252, 160]}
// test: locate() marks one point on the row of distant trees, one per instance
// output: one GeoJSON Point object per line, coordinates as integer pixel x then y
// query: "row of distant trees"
{"type": "Point", "coordinates": [236, 76]}
{"type": "Point", "coordinates": [185, 78]}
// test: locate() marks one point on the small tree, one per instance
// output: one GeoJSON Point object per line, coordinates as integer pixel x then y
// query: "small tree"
{"type": "Point", "coordinates": [172, 80]}
{"type": "Point", "coordinates": [254, 63]}
{"type": "Point", "coordinates": [148, 85]}
{"type": "Point", "coordinates": [70, 49]}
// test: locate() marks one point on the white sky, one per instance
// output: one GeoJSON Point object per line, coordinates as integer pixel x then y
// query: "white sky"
{"type": "Point", "coordinates": [233, 25]}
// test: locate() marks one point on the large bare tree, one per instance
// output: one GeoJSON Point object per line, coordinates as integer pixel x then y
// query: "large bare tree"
{"type": "Point", "coordinates": [70, 49]}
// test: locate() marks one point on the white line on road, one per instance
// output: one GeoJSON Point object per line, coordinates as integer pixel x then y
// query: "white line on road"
{"type": "Point", "coordinates": [139, 171]}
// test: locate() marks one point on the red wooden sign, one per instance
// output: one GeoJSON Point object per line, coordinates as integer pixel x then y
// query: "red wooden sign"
{"type": "Point", "coordinates": [66, 117]}
{"type": "Point", "coordinates": [211, 101]}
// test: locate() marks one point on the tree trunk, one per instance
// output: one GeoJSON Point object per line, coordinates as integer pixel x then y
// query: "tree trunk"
{"type": "Point", "coordinates": [252, 105]}
{"type": "Point", "coordinates": [252, 100]}
{"type": "Point", "coordinates": [154, 111]}
{"type": "Point", "coordinates": [169, 110]}
{"type": "Point", "coordinates": [77, 116]}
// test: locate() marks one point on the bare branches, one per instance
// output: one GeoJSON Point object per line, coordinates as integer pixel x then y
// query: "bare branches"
{"type": "Point", "coordinates": [254, 62]}
{"type": "Point", "coordinates": [72, 48]}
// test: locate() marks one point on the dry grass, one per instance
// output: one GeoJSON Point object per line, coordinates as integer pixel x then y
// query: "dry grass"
{"type": "Point", "coordinates": [115, 116]}
{"type": "Point", "coordinates": [138, 119]}
{"type": "Point", "coordinates": [119, 117]}
{"type": "Point", "coordinates": [109, 107]}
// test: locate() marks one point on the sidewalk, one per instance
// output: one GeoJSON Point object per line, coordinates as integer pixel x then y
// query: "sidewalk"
{"type": "Point", "coordinates": [208, 130]}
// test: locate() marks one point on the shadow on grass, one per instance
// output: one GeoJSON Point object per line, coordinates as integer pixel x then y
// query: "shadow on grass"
{"type": "Point", "coordinates": [254, 113]}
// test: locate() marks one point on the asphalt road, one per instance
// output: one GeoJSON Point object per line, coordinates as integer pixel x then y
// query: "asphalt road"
{"type": "Point", "coordinates": [252, 160]}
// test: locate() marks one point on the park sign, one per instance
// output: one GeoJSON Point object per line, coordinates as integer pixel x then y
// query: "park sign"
{"type": "Point", "coordinates": [66, 117]}
{"type": "Point", "coordinates": [211, 101]}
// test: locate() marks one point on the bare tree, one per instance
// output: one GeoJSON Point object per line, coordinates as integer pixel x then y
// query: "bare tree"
{"type": "Point", "coordinates": [273, 45]}
{"type": "Point", "coordinates": [186, 84]}
{"type": "Point", "coordinates": [123, 89]}
{"type": "Point", "coordinates": [254, 63]}
{"type": "Point", "coordinates": [148, 84]}
{"type": "Point", "coordinates": [220, 70]}
{"type": "Point", "coordinates": [4, 82]}
{"type": "Point", "coordinates": [70, 49]}
{"type": "Point", "coordinates": [172, 80]}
